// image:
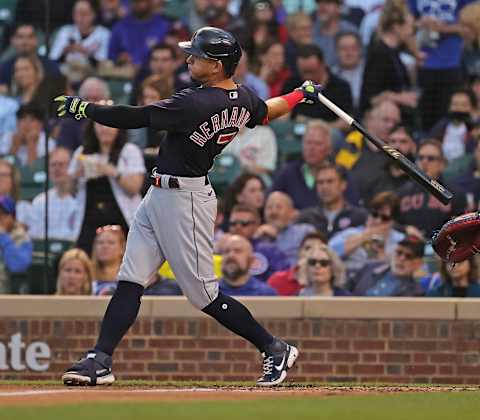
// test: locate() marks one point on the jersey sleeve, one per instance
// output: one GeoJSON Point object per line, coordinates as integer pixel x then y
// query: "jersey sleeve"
{"type": "Point", "coordinates": [259, 111]}
{"type": "Point", "coordinates": [172, 113]}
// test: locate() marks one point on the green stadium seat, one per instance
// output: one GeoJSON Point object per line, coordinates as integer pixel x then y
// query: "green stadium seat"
{"type": "Point", "coordinates": [289, 145]}
{"type": "Point", "coordinates": [32, 179]}
{"type": "Point", "coordinates": [120, 90]}
{"type": "Point", "coordinates": [225, 169]}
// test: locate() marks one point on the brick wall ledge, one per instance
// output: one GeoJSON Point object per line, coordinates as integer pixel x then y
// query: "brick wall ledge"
{"type": "Point", "coordinates": [262, 308]}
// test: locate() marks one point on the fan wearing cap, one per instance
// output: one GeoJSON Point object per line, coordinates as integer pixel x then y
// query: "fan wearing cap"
{"type": "Point", "coordinates": [175, 220]}
{"type": "Point", "coordinates": [396, 278]}
{"type": "Point", "coordinates": [15, 245]}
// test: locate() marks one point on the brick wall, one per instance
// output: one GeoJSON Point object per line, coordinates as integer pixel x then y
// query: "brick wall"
{"type": "Point", "coordinates": [331, 349]}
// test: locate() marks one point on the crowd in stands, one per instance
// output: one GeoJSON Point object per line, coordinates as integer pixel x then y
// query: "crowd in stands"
{"type": "Point", "coordinates": [307, 206]}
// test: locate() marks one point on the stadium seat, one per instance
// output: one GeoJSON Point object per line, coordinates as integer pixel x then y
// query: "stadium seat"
{"type": "Point", "coordinates": [32, 179]}
{"type": "Point", "coordinates": [289, 145]}
{"type": "Point", "coordinates": [36, 272]}
{"type": "Point", "coordinates": [225, 169]}
{"type": "Point", "coordinates": [120, 90]}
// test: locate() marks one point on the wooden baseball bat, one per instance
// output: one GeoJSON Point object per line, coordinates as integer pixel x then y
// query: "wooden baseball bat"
{"type": "Point", "coordinates": [412, 170]}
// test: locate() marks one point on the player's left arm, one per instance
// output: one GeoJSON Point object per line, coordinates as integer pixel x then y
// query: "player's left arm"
{"type": "Point", "coordinates": [281, 105]}
{"type": "Point", "coordinates": [118, 116]}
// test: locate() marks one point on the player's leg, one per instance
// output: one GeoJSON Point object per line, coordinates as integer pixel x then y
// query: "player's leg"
{"type": "Point", "coordinates": [191, 216]}
{"type": "Point", "coordinates": [140, 263]}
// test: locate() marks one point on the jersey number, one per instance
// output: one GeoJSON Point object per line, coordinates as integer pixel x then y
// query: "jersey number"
{"type": "Point", "coordinates": [225, 138]}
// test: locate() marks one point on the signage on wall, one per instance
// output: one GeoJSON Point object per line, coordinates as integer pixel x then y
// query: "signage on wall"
{"type": "Point", "coordinates": [17, 355]}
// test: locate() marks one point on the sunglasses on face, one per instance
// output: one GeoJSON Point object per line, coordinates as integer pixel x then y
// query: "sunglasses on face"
{"type": "Point", "coordinates": [428, 158]}
{"type": "Point", "coordinates": [241, 222]}
{"type": "Point", "coordinates": [384, 217]}
{"type": "Point", "coordinates": [312, 262]}
{"type": "Point", "coordinates": [400, 253]}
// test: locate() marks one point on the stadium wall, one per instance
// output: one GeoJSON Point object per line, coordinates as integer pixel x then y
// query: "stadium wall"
{"type": "Point", "coordinates": [392, 340]}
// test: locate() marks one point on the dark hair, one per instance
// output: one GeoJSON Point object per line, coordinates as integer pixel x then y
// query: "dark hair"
{"type": "Point", "coordinates": [310, 50]}
{"type": "Point", "coordinates": [403, 127]}
{"type": "Point", "coordinates": [432, 142]}
{"type": "Point", "coordinates": [386, 198]}
{"type": "Point", "coordinates": [343, 34]}
{"type": "Point", "coordinates": [237, 187]}
{"type": "Point", "coordinates": [18, 25]}
{"type": "Point", "coordinates": [314, 235]}
{"type": "Point", "coordinates": [245, 208]}
{"type": "Point", "coordinates": [91, 143]}
{"type": "Point", "coordinates": [29, 110]}
{"type": "Point", "coordinates": [472, 275]}
{"type": "Point", "coordinates": [467, 92]}
{"type": "Point", "coordinates": [164, 46]}
{"type": "Point", "coordinates": [340, 170]}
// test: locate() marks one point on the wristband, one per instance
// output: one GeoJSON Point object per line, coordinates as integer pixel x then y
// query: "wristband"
{"type": "Point", "coordinates": [293, 98]}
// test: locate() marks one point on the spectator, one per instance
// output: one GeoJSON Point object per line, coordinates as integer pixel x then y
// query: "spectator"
{"type": "Point", "coordinates": [134, 35]}
{"type": "Point", "coordinates": [15, 245]}
{"type": "Point", "coordinates": [244, 221]}
{"type": "Point", "coordinates": [273, 70]}
{"type": "Point", "coordinates": [107, 253]}
{"type": "Point", "coordinates": [297, 178]}
{"type": "Point", "coordinates": [334, 214]}
{"type": "Point", "coordinates": [25, 43]}
{"type": "Point", "coordinates": [470, 18]}
{"type": "Point", "coordinates": [236, 263]}
{"type": "Point", "coordinates": [421, 209]}
{"type": "Point", "coordinates": [247, 189]}
{"type": "Point", "coordinates": [8, 117]}
{"type": "Point", "coordinates": [291, 281]}
{"type": "Point", "coordinates": [351, 63]}
{"type": "Point", "coordinates": [9, 180]}
{"type": "Point", "coordinates": [441, 42]}
{"type": "Point", "coordinates": [324, 273]}
{"type": "Point", "coordinates": [79, 47]}
{"type": "Point", "coordinates": [71, 132]}
{"type": "Point", "coordinates": [263, 26]}
{"type": "Point", "coordinates": [111, 11]}
{"type": "Point", "coordinates": [458, 280]}
{"type": "Point", "coordinates": [300, 31]}
{"type": "Point", "coordinates": [63, 210]}
{"type": "Point", "coordinates": [392, 177]}
{"type": "Point", "coordinates": [110, 174]}
{"type": "Point", "coordinates": [327, 24]}
{"type": "Point", "coordinates": [244, 77]}
{"type": "Point", "coordinates": [311, 66]}
{"type": "Point", "coordinates": [375, 240]}
{"type": "Point", "coordinates": [385, 76]}
{"type": "Point", "coordinates": [161, 63]}
{"type": "Point", "coordinates": [469, 179]}
{"type": "Point", "coordinates": [395, 278]}
{"type": "Point", "coordinates": [256, 149]}
{"type": "Point", "coordinates": [27, 143]}
{"type": "Point", "coordinates": [75, 273]}
{"type": "Point", "coordinates": [280, 227]}
{"type": "Point", "coordinates": [359, 156]}
{"type": "Point", "coordinates": [453, 131]}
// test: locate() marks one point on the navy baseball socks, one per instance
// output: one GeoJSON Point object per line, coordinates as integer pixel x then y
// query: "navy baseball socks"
{"type": "Point", "coordinates": [96, 367]}
{"type": "Point", "coordinates": [278, 356]}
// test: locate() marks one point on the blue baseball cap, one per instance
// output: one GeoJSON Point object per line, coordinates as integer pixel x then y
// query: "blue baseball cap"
{"type": "Point", "coordinates": [7, 204]}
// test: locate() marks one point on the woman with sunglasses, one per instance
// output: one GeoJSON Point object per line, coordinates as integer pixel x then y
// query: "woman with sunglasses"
{"type": "Point", "coordinates": [324, 273]}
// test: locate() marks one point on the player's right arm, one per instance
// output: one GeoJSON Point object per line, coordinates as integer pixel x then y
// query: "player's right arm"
{"type": "Point", "coordinates": [118, 116]}
{"type": "Point", "coordinates": [281, 105]}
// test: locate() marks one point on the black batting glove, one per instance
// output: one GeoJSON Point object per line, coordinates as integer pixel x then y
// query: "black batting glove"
{"type": "Point", "coordinates": [310, 92]}
{"type": "Point", "coordinates": [72, 105]}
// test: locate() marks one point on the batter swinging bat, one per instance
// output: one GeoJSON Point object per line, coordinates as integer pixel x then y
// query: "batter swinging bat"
{"type": "Point", "coordinates": [412, 170]}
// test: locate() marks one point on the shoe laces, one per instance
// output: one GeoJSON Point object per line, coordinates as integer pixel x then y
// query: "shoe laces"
{"type": "Point", "coordinates": [267, 365]}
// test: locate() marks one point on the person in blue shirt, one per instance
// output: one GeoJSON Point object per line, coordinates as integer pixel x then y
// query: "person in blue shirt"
{"type": "Point", "coordinates": [459, 280]}
{"type": "Point", "coordinates": [237, 280]}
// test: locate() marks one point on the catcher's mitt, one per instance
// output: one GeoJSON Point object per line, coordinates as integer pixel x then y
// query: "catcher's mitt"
{"type": "Point", "coordinates": [459, 238]}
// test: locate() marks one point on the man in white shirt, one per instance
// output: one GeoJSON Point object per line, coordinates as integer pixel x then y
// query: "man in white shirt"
{"type": "Point", "coordinates": [63, 210]}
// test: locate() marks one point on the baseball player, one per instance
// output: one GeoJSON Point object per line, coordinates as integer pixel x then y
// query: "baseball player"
{"type": "Point", "coordinates": [175, 220]}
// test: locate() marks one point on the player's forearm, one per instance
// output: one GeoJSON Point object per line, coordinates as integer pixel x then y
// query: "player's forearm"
{"type": "Point", "coordinates": [282, 105]}
{"type": "Point", "coordinates": [119, 116]}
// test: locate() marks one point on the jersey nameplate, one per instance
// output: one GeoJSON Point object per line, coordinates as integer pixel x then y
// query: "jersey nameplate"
{"type": "Point", "coordinates": [236, 117]}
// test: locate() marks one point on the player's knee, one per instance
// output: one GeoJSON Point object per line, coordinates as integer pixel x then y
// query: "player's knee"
{"type": "Point", "coordinates": [203, 296]}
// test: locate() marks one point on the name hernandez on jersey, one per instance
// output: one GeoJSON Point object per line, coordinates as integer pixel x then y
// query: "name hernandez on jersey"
{"type": "Point", "coordinates": [236, 117]}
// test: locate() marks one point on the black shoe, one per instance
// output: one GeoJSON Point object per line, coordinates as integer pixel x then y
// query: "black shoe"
{"type": "Point", "coordinates": [94, 369]}
{"type": "Point", "coordinates": [277, 359]}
